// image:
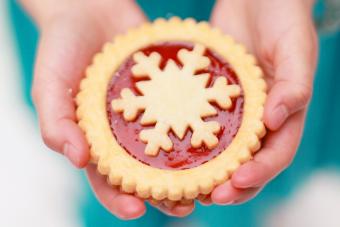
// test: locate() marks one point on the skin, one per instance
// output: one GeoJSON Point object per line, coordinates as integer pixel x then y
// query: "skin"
{"type": "Point", "coordinates": [73, 31]}
{"type": "Point", "coordinates": [286, 48]}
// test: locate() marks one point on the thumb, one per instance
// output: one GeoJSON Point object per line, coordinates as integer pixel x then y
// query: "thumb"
{"type": "Point", "coordinates": [64, 51]}
{"type": "Point", "coordinates": [294, 64]}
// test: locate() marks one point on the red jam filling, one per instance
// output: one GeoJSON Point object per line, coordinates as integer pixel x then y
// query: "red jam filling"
{"type": "Point", "coordinates": [183, 155]}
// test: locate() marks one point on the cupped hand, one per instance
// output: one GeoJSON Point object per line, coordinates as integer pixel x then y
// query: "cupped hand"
{"type": "Point", "coordinates": [71, 33]}
{"type": "Point", "coordinates": [281, 34]}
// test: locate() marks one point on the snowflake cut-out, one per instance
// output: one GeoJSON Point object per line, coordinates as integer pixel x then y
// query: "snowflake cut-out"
{"type": "Point", "coordinates": [175, 98]}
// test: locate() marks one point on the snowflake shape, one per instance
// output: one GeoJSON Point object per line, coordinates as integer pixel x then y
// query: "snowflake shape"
{"type": "Point", "coordinates": [175, 98]}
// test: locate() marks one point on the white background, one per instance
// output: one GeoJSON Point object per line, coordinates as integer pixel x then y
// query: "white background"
{"type": "Point", "coordinates": [38, 187]}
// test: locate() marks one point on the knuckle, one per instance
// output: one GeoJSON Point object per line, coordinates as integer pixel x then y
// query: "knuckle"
{"type": "Point", "coordinates": [48, 138]}
{"type": "Point", "coordinates": [304, 95]}
{"type": "Point", "coordinates": [288, 162]}
{"type": "Point", "coordinates": [295, 95]}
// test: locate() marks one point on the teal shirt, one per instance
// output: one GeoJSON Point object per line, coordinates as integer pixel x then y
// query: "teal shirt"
{"type": "Point", "coordinates": [319, 147]}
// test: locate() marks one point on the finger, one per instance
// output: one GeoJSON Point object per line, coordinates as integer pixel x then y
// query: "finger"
{"type": "Point", "coordinates": [227, 194]}
{"type": "Point", "coordinates": [63, 55]}
{"type": "Point", "coordinates": [205, 201]}
{"type": "Point", "coordinates": [178, 210]}
{"type": "Point", "coordinates": [277, 153]}
{"type": "Point", "coordinates": [121, 205]}
{"type": "Point", "coordinates": [294, 66]}
{"type": "Point", "coordinates": [248, 194]}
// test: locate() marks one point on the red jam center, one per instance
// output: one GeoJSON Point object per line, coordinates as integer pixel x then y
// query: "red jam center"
{"type": "Point", "coordinates": [183, 155]}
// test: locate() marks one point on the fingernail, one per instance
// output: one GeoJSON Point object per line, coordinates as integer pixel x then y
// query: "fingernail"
{"type": "Point", "coordinates": [230, 202]}
{"type": "Point", "coordinates": [280, 114]}
{"type": "Point", "coordinates": [182, 210]}
{"type": "Point", "coordinates": [227, 203]}
{"type": "Point", "coordinates": [206, 202]}
{"type": "Point", "coordinates": [72, 153]}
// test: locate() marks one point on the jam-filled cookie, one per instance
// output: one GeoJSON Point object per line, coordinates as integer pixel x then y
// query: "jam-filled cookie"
{"type": "Point", "coordinates": [171, 109]}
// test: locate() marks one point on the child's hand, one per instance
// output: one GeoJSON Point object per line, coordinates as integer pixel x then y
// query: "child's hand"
{"type": "Point", "coordinates": [281, 35]}
{"type": "Point", "coordinates": [71, 33]}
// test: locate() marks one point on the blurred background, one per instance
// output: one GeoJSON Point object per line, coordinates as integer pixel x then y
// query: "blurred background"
{"type": "Point", "coordinates": [40, 188]}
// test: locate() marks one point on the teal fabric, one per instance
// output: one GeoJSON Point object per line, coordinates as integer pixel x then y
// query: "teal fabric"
{"type": "Point", "coordinates": [319, 148]}
{"type": "Point", "coordinates": [26, 36]}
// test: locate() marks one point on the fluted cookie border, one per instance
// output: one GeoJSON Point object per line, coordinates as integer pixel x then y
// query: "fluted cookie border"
{"type": "Point", "coordinates": [146, 181]}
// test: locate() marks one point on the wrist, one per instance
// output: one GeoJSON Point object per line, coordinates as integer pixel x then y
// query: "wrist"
{"type": "Point", "coordinates": [103, 13]}
{"type": "Point", "coordinates": [45, 11]}
{"type": "Point", "coordinates": [244, 3]}
{"type": "Point", "coordinates": [42, 11]}
{"type": "Point", "coordinates": [116, 14]}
